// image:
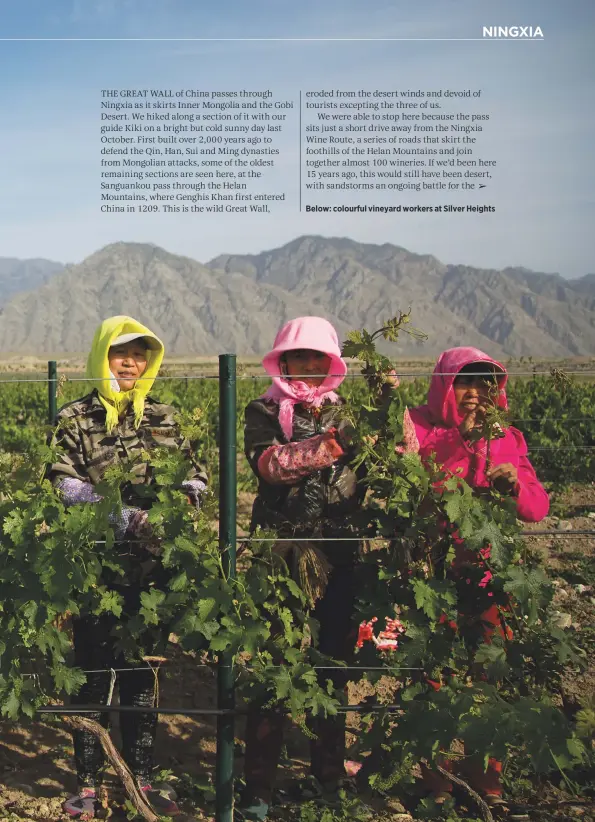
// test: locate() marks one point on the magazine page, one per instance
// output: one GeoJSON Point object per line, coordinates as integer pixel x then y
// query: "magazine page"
{"type": "Point", "coordinates": [297, 343]}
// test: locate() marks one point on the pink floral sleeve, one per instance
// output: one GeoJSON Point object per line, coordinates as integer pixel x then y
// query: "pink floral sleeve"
{"type": "Point", "coordinates": [410, 444]}
{"type": "Point", "coordinates": [287, 464]}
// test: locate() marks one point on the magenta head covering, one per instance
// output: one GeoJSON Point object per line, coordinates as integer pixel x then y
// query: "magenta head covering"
{"type": "Point", "coordinates": [316, 334]}
{"type": "Point", "coordinates": [441, 398]}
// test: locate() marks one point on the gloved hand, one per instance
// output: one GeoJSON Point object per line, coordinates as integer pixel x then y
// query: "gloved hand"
{"type": "Point", "coordinates": [139, 526]}
{"type": "Point", "coordinates": [194, 490]}
{"type": "Point", "coordinates": [141, 530]}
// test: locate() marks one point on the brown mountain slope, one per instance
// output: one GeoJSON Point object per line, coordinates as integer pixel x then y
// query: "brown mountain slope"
{"type": "Point", "coordinates": [512, 312]}
{"type": "Point", "coordinates": [192, 308]}
{"type": "Point", "coordinates": [24, 275]}
{"type": "Point", "coordinates": [237, 303]}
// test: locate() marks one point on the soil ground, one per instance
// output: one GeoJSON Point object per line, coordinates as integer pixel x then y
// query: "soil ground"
{"type": "Point", "coordinates": [36, 765]}
{"type": "Point", "coordinates": [16, 364]}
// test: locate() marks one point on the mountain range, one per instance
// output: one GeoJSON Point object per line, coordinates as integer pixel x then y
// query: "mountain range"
{"type": "Point", "coordinates": [238, 302]}
{"type": "Point", "coordinates": [24, 275]}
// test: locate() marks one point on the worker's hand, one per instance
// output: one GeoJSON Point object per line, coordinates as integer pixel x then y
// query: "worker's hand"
{"type": "Point", "coordinates": [139, 526]}
{"type": "Point", "coordinates": [504, 477]}
{"type": "Point", "coordinates": [473, 419]}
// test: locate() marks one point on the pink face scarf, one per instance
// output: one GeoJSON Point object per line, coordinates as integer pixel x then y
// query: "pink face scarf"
{"type": "Point", "coordinates": [316, 334]}
{"type": "Point", "coordinates": [441, 397]}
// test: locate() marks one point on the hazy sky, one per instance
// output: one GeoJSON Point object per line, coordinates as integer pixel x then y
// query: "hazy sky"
{"type": "Point", "coordinates": [539, 96]}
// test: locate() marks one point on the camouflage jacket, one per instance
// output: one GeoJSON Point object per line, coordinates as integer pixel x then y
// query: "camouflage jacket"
{"type": "Point", "coordinates": [89, 450]}
{"type": "Point", "coordinates": [320, 503]}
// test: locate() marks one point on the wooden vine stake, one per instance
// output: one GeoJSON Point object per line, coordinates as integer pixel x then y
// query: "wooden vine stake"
{"type": "Point", "coordinates": [81, 723]}
{"type": "Point", "coordinates": [483, 806]}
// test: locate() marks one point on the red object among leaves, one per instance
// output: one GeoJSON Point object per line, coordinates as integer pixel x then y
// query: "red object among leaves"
{"type": "Point", "coordinates": [451, 622]}
{"type": "Point", "coordinates": [365, 632]}
{"type": "Point", "coordinates": [387, 640]}
{"type": "Point", "coordinates": [486, 579]}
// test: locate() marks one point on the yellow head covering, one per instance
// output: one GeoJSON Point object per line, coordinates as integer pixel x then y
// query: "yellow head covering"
{"type": "Point", "coordinates": [98, 369]}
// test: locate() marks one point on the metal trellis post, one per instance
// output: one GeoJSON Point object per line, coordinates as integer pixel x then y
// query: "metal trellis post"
{"type": "Point", "coordinates": [227, 543]}
{"type": "Point", "coordinates": [52, 391]}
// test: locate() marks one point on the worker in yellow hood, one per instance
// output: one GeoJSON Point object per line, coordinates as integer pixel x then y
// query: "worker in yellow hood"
{"type": "Point", "coordinates": [116, 423]}
{"type": "Point", "coordinates": [124, 360]}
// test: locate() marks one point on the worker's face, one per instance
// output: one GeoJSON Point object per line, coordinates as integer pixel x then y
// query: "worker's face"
{"type": "Point", "coordinates": [307, 365]}
{"type": "Point", "coordinates": [127, 363]}
{"type": "Point", "coordinates": [475, 385]}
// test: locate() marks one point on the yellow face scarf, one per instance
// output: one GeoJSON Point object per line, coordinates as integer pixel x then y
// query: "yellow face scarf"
{"type": "Point", "coordinates": [98, 369]}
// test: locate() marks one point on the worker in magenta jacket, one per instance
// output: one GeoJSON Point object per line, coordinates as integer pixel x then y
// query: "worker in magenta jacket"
{"type": "Point", "coordinates": [459, 391]}
{"type": "Point", "coordinates": [465, 381]}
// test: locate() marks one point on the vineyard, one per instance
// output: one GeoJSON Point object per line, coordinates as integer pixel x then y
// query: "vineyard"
{"type": "Point", "coordinates": [527, 698]}
{"type": "Point", "coordinates": [556, 417]}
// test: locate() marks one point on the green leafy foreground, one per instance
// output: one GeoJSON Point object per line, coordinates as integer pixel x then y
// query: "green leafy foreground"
{"type": "Point", "coordinates": [56, 562]}
{"type": "Point", "coordinates": [498, 698]}
{"type": "Point", "coordinates": [456, 690]}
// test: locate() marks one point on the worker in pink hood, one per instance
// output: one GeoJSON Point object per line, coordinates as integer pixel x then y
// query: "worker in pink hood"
{"type": "Point", "coordinates": [459, 391]}
{"type": "Point", "coordinates": [299, 448]}
{"type": "Point", "coordinates": [308, 345]}
{"type": "Point", "coordinates": [465, 381]}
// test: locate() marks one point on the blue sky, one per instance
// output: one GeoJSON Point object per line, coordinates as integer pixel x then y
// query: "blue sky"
{"type": "Point", "coordinates": [541, 129]}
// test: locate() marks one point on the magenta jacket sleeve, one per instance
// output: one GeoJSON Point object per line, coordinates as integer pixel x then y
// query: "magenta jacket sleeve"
{"type": "Point", "coordinates": [533, 503]}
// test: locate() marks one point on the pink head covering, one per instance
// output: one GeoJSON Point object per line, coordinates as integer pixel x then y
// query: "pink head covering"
{"type": "Point", "coordinates": [441, 399]}
{"type": "Point", "coordinates": [313, 333]}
